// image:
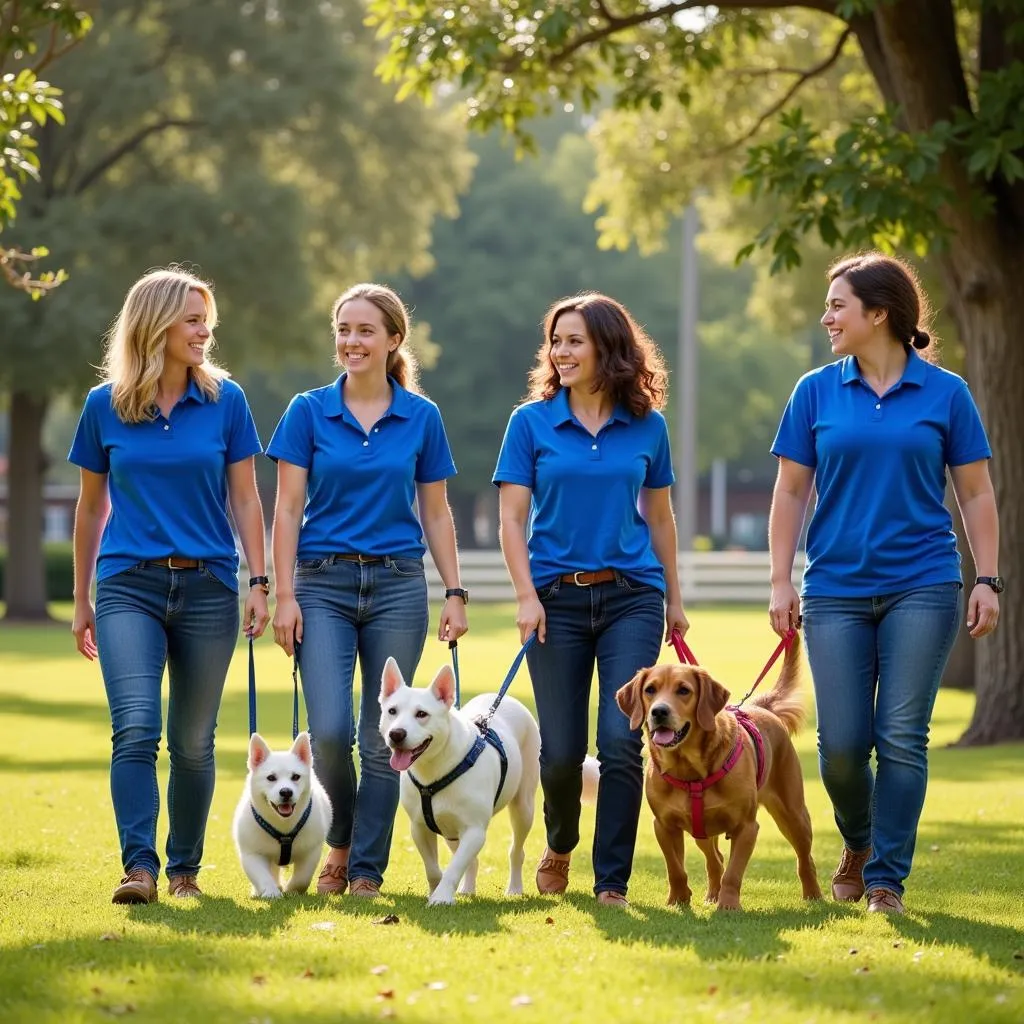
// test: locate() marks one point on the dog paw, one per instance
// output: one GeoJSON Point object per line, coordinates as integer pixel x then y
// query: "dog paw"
{"type": "Point", "coordinates": [729, 900]}
{"type": "Point", "coordinates": [711, 896]}
{"type": "Point", "coordinates": [441, 899]}
{"type": "Point", "coordinates": [267, 893]}
{"type": "Point", "coordinates": [679, 899]}
{"type": "Point", "coordinates": [514, 890]}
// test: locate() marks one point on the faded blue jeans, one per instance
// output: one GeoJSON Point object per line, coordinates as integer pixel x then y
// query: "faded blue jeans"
{"type": "Point", "coordinates": [149, 617]}
{"type": "Point", "coordinates": [373, 610]}
{"type": "Point", "coordinates": [877, 663]}
{"type": "Point", "coordinates": [619, 625]}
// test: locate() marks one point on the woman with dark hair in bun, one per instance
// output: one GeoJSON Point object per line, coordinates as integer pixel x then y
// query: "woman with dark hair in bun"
{"type": "Point", "coordinates": [873, 434]}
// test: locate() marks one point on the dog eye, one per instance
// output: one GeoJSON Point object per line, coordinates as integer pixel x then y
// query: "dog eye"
{"type": "Point", "coordinates": [650, 690]}
{"type": "Point", "coordinates": [296, 776]}
{"type": "Point", "coordinates": [271, 778]}
{"type": "Point", "coordinates": [392, 712]}
{"type": "Point", "coordinates": [683, 691]}
{"type": "Point", "coordinates": [422, 714]}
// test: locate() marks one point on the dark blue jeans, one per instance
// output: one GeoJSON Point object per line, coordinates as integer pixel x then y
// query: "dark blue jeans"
{"type": "Point", "coordinates": [149, 617]}
{"type": "Point", "coordinates": [877, 663]}
{"type": "Point", "coordinates": [373, 610]}
{"type": "Point", "coordinates": [620, 625]}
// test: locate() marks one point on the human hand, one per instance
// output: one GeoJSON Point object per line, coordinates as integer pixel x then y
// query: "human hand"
{"type": "Point", "coordinates": [287, 624]}
{"type": "Point", "coordinates": [530, 618]}
{"type": "Point", "coordinates": [784, 608]}
{"type": "Point", "coordinates": [982, 611]}
{"type": "Point", "coordinates": [255, 615]}
{"type": "Point", "coordinates": [454, 623]}
{"type": "Point", "coordinates": [675, 618]}
{"type": "Point", "coordinates": [83, 626]}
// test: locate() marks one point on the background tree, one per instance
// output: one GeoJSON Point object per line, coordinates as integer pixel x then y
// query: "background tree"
{"type": "Point", "coordinates": [250, 140]}
{"type": "Point", "coordinates": [938, 163]}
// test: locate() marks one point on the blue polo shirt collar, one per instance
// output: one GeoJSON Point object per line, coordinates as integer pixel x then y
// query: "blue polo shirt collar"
{"type": "Point", "coordinates": [194, 393]}
{"type": "Point", "coordinates": [913, 373]}
{"type": "Point", "coordinates": [562, 414]}
{"type": "Point", "coordinates": [334, 405]}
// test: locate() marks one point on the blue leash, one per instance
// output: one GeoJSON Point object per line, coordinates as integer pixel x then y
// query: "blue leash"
{"type": "Point", "coordinates": [453, 646]}
{"type": "Point", "coordinates": [485, 722]}
{"type": "Point", "coordinates": [252, 691]}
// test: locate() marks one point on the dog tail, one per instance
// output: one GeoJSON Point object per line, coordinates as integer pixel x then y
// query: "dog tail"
{"type": "Point", "coordinates": [591, 778]}
{"type": "Point", "coordinates": [783, 700]}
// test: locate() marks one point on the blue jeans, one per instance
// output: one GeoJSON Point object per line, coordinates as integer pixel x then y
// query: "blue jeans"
{"type": "Point", "coordinates": [149, 617]}
{"type": "Point", "coordinates": [619, 624]}
{"type": "Point", "coordinates": [877, 663]}
{"type": "Point", "coordinates": [373, 610]}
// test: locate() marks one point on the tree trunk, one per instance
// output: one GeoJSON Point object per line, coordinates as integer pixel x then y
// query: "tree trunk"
{"type": "Point", "coordinates": [960, 674]}
{"type": "Point", "coordinates": [464, 512]}
{"type": "Point", "coordinates": [25, 575]}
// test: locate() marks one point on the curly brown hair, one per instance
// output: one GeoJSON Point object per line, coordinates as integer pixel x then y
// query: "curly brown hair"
{"type": "Point", "coordinates": [630, 368]}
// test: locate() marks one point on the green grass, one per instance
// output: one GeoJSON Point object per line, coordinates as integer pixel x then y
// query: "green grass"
{"type": "Point", "coordinates": [67, 954]}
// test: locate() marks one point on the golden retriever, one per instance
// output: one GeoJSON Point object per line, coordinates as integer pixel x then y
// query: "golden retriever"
{"type": "Point", "coordinates": [692, 736]}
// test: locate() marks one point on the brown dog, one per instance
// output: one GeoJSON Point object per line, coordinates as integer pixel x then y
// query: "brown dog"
{"type": "Point", "coordinates": [692, 737]}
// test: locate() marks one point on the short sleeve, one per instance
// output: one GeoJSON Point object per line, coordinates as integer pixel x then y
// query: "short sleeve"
{"type": "Point", "coordinates": [965, 440]}
{"type": "Point", "coordinates": [243, 438]}
{"type": "Point", "coordinates": [87, 449]}
{"type": "Point", "coordinates": [292, 439]}
{"type": "Point", "coordinates": [516, 460]}
{"type": "Point", "coordinates": [795, 438]}
{"type": "Point", "coordinates": [660, 472]}
{"type": "Point", "coordinates": [435, 460]}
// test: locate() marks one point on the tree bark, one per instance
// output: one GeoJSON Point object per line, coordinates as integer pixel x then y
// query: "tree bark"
{"type": "Point", "coordinates": [25, 575]}
{"type": "Point", "coordinates": [960, 669]}
{"type": "Point", "coordinates": [464, 512]}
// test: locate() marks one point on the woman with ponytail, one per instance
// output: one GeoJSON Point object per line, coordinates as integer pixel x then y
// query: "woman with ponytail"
{"type": "Point", "coordinates": [353, 459]}
{"type": "Point", "coordinates": [874, 434]}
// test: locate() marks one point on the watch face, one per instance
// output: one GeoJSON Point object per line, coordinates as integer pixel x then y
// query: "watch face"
{"type": "Point", "coordinates": [997, 584]}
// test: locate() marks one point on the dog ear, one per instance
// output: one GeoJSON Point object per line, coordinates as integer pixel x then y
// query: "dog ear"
{"type": "Point", "coordinates": [443, 686]}
{"type": "Point", "coordinates": [391, 680]}
{"type": "Point", "coordinates": [258, 751]}
{"type": "Point", "coordinates": [712, 696]}
{"type": "Point", "coordinates": [630, 699]}
{"type": "Point", "coordinates": [301, 748]}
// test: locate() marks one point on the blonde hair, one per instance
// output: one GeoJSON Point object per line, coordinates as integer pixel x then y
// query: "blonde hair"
{"type": "Point", "coordinates": [401, 363]}
{"type": "Point", "coordinates": [134, 355]}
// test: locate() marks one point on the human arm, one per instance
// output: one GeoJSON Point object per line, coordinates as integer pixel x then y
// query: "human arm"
{"type": "Point", "coordinates": [90, 515]}
{"type": "Point", "coordinates": [790, 496]}
{"type": "Point", "coordinates": [655, 506]}
{"type": "Point", "coordinates": [513, 512]}
{"type": "Point", "coordinates": [288, 508]}
{"type": "Point", "coordinates": [247, 511]}
{"type": "Point", "coordinates": [439, 531]}
{"type": "Point", "coordinates": [972, 486]}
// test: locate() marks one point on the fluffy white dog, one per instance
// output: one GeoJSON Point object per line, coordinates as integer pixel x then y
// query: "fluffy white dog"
{"type": "Point", "coordinates": [282, 817]}
{"type": "Point", "coordinates": [455, 779]}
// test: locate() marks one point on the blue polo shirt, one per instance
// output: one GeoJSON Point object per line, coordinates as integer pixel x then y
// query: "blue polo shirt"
{"type": "Point", "coordinates": [880, 525]}
{"type": "Point", "coordinates": [584, 513]}
{"type": "Point", "coordinates": [167, 478]}
{"type": "Point", "coordinates": [361, 487]}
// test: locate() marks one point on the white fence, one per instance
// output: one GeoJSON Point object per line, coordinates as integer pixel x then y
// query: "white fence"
{"type": "Point", "coordinates": [726, 577]}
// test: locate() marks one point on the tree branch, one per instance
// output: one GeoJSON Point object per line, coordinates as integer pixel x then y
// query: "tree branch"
{"type": "Point", "coordinates": [129, 145]}
{"type": "Point", "coordinates": [805, 76]}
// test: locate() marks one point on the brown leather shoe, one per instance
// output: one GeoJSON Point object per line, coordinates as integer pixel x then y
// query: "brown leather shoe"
{"type": "Point", "coordinates": [552, 874]}
{"type": "Point", "coordinates": [848, 881]}
{"type": "Point", "coordinates": [365, 888]}
{"type": "Point", "coordinates": [333, 879]}
{"type": "Point", "coordinates": [183, 886]}
{"type": "Point", "coordinates": [611, 898]}
{"type": "Point", "coordinates": [885, 901]}
{"type": "Point", "coordinates": [138, 886]}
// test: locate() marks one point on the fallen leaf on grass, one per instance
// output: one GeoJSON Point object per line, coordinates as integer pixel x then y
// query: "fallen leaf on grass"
{"type": "Point", "coordinates": [897, 944]}
{"type": "Point", "coordinates": [121, 1009]}
{"type": "Point", "coordinates": [523, 1000]}
{"type": "Point", "coordinates": [386, 993]}
{"type": "Point", "coordinates": [388, 1011]}
{"type": "Point", "coordinates": [323, 926]}
{"type": "Point", "coordinates": [379, 969]}
{"type": "Point", "coordinates": [862, 970]}
{"type": "Point", "coordinates": [1018, 954]}
{"type": "Point", "coordinates": [935, 847]}
{"type": "Point", "coordinates": [308, 973]}
{"type": "Point", "coordinates": [110, 937]}
{"type": "Point", "coordinates": [712, 989]}
{"type": "Point", "coordinates": [853, 952]}
{"type": "Point", "coordinates": [549, 920]}
{"type": "Point", "coordinates": [96, 990]}
{"type": "Point", "coordinates": [437, 986]}
{"type": "Point", "coordinates": [259, 979]}
{"type": "Point", "coordinates": [387, 919]}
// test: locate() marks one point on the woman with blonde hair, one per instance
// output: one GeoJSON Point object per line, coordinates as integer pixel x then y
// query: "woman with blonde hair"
{"type": "Point", "coordinates": [165, 445]}
{"type": "Point", "coordinates": [361, 471]}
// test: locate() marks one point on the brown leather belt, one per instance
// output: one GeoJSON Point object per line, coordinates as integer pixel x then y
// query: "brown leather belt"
{"type": "Point", "coordinates": [174, 562]}
{"type": "Point", "coordinates": [362, 559]}
{"type": "Point", "coordinates": [588, 579]}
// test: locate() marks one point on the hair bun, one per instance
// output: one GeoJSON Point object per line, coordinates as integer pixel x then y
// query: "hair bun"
{"type": "Point", "coordinates": [920, 339]}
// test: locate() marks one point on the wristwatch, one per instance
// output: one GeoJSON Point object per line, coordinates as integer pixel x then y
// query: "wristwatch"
{"type": "Point", "coordinates": [457, 592]}
{"type": "Point", "coordinates": [263, 582]}
{"type": "Point", "coordinates": [995, 582]}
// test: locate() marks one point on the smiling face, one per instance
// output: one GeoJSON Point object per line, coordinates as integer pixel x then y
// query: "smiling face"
{"type": "Point", "coordinates": [675, 702]}
{"type": "Point", "coordinates": [362, 339]}
{"type": "Point", "coordinates": [189, 337]}
{"type": "Point", "coordinates": [850, 326]}
{"type": "Point", "coordinates": [573, 352]}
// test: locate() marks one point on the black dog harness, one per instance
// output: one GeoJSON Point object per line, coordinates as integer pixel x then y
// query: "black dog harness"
{"type": "Point", "coordinates": [284, 838]}
{"type": "Point", "coordinates": [427, 792]}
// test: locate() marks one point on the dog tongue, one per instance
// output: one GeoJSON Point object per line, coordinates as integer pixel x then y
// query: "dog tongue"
{"type": "Point", "coordinates": [401, 759]}
{"type": "Point", "coordinates": [663, 736]}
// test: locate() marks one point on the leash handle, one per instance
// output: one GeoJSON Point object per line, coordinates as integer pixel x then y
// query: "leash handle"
{"type": "Point", "coordinates": [686, 656]}
{"type": "Point", "coordinates": [509, 676]}
{"type": "Point", "coordinates": [453, 646]}
{"type": "Point", "coordinates": [252, 690]}
{"type": "Point", "coordinates": [783, 645]}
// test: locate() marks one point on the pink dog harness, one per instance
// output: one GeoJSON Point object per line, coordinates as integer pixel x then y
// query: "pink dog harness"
{"type": "Point", "coordinates": [696, 789]}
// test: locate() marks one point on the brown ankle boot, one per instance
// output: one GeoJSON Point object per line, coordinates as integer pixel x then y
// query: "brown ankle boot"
{"type": "Point", "coordinates": [138, 886]}
{"type": "Point", "coordinates": [552, 874]}
{"type": "Point", "coordinates": [184, 886]}
{"type": "Point", "coordinates": [848, 880]}
{"type": "Point", "coordinates": [885, 901]}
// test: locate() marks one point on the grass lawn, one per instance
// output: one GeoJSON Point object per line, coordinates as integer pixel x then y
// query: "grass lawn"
{"type": "Point", "coordinates": [67, 954]}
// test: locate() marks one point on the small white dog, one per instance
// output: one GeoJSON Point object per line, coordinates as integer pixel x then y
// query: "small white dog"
{"type": "Point", "coordinates": [282, 817]}
{"type": "Point", "coordinates": [431, 741]}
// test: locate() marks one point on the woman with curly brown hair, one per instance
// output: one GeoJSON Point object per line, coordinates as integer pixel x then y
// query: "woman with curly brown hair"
{"type": "Point", "coordinates": [585, 468]}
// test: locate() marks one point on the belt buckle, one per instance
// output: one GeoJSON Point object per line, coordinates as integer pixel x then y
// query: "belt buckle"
{"type": "Point", "coordinates": [365, 559]}
{"type": "Point", "coordinates": [576, 578]}
{"type": "Point", "coordinates": [170, 560]}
